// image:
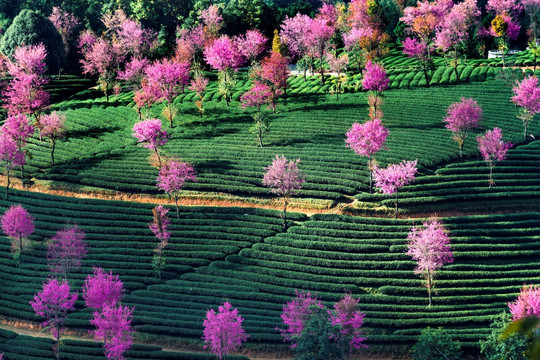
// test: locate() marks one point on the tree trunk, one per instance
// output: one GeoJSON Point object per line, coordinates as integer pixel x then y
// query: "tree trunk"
{"type": "Point", "coordinates": [456, 63]}
{"type": "Point", "coordinates": [7, 186]}
{"type": "Point", "coordinates": [396, 214]}
{"type": "Point", "coordinates": [426, 75]}
{"type": "Point", "coordinates": [460, 144]}
{"type": "Point", "coordinates": [57, 343]}
{"type": "Point", "coordinates": [22, 175]}
{"type": "Point", "coordinates": [429, 281]}
{"type": "Point", "coordinates": [170, 113]}
{"type": "Point", "coordinates": [370, 174]}
{"type": "Point", "coordinates": [305, 74]}
{"type": "Point", "coordinates": [52, 151]}
{"type": "Point", "coordinates": [285, 203]}
{"type": "Point", "coordinates": [158, 157]}
{"type": "Point", "coordinates": [491, 174]}
{"type": "Point", "coordinates": [525, 126]}
{"type": "Point", "coordinates": [322, 67]}
{"type": "Point", "coordinates": [20, 251]}
{"type": "Point", "coordinates": [176, 203]}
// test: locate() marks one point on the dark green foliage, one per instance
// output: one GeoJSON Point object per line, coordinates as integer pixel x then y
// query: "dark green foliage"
{"type": "Point", "coordinates": [436, 344]}
{"type": "Point", "coordinates": [31, 28]}
{"type": "Point", "coordinates": [494, 348]}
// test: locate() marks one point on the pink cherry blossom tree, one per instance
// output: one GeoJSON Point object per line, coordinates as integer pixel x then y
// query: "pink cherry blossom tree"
{"type": "Point", "coordinates": [102, 289]}
{"type": "Point", "coordinates": [295, 314]}
{"type": "Point", "coordinates": [212, 20]}
{"type": "Point", "coordinates": [113, 327]}
{"type": "Point", "coordinates": [18, 225]}
{"type": "Point", "coordinates": [18, 127]}
{"type": "Point", "coordinates": [350, 319]}
{"type": "Point", "coordinates": [285, 179]}
{"type": "Point", "coordinates": [259, 95]}
{"type": "Point", "coordinates": [394, 177]}
{"type": "Point", "coordinates": [53, 303]}
{"type": "Point", "coordinates": [223, 330]}
{"type": "Point", "coordinates": [503, 27]}
{"type": "Point", "coordinates": [294, 34]}
{"type": "Point", "coordinates": [169, 79]}
{"type": "Point", "coordinates": [134, 72]}
{"type": "Point", "coordinates": [527, 97]}
{"type": "Point", "coordinates": [251, 45]}
{"type": "Point", "coordinates": [146, 96]}
{"type": "Point", "coordinates": [365, 140]}
{"type": "Point", "coordinates": [172, 177]}
{"type": "Point", "coordinates": [461, 117]}
{"type": "Point", "coordinates": [53, 126]}
{"type": "Point", "coordinates": [150, 135]}
{"type": "Point", "coordinates": [430, 248]}
{"type": "Point", "coordinates": [224, 56]}
{"type": "Point", "coordinates": [527, 303]}
{"type": "Point", "coordinates": [376, 81]}
{"type": "Point", "coordinates": [66, 24]}
{"type": "Point", "coordinates": [199, 85]}
{"type": "Point", "coordinates": [66, 250]}
{"type": "Point", "coordinates": [160, 228]}
{"type": "Point", "coordinates": [338, 64]}
{"type": "Point", "coordinates": [24, 93]}
{"type": "Point", "coordinates": [274, 71]}
{"type": "Point", "coordinates": [10, 156]}
{"type": "Point", "coordinates": [318, 40]}
{"type": "Point", "coordinates": [492, 148]}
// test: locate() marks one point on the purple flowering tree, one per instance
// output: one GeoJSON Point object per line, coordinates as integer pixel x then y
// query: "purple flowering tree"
{"type": "Point", "coordinates": [101, 289]}
{"type": "Point", "coordinates": [18, 225]}
{"type": "Point", "coordinates": [365, 140]}
{"type": "Point", "coordinates": [172, 177]}
{"type": "Point", "coordinates": [338, 64]}
{"type": "Point", "coordinates": [527, 303]}
{"type": "Point", "coordinates": [160, 228]}
{"type": "Point", "coordinates": [349, 319]}
{"type": "Point", "coordinates": [461, 118]}
{"type": "Point", "coordinates": [150, 135]}
{"type": "Point", "coordinates": [527, 97]}
{"type": "Point", "coordinates": [376, 81]}
{"type": "Point", "coordinates": [66, 250]}
{"type": "Point", "coordinates": [251, 45]}
{"type": "Point", "coordinates": [18, 127]}
{"type": "Point", "coordinates": [492, 148]}
{"type": "Point", "coordinates": [223, 330]}
{"type": "Point", "coordinates": [285, 179]}
{"type": "Point", "coordinates": [295, 314]}
{"type": "Point", "coordinates": [430, 248]}
{"type": "Point", "coordinates": [53, 127]}
{"type": "Point", "coordinates": [113, 327]}
{"type": "Point", "coordinates": [53, 303]}
{"type": "Point", "coordinates": [10, 156]}
{"type": "Point", "coordinates": [394, 177]}
{"type": "Point", "coordinates": [199, 85]}
{"type": "Point", "coordinates": [259, 95]}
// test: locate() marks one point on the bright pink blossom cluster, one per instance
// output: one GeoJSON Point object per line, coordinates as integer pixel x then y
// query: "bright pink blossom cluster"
{"type": "Point", "coordinates": [17, 222]}
{"type": "Point", "coordinates": [102, 289]}
{"type": "Point", "coordinates": [113, 326]}
{"type": "Point", "coordinates": [367, 138]}
{"type": "Point", "coordinates": [283, 176]}
{"type": "Point", "coordinates": [160, 224]}
{"type": "Point", "coordinates": [295, 313]}
{"type": "Point", "coordinates": [492, 147]}
{"type": "Point", "coordinates": [350, 319]}
{"type": "Point", "coordinates": [224, 54]}
{"type": "Point", "coordinates": [66, 250]}
{"type": "Point", "coordinates": [429, 247]}
{"type": "Point", "coordinates": [374, 77]}
{"type": "Point", "coordinates": [223, 330]}
{"type": "Point", "coordinates": [395, 176]}
{"type": "Point", "coordinates": [259, 95]}
{"type": "Point", "coordinates": [149, 134]}
{"type": "Point", "coordinates": [526, 304]}
{"type": "Point", "coordinates": [527, 94]}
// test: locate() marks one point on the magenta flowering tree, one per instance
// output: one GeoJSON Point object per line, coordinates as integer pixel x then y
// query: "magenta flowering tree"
{"type": "Point", "coordinates": [492, 148]}
{"type": "Point", "coordinates": [169, 79]}
{"type": "Point", "coordinates": [212, 20]}
{"type": "Point", "coordinates": [259, 95]}
{"type": "Point", "coordinates": [199, 85]}
{"type": "Point", "coordinates": [224, 56]}
{"type": "Point", "coordinates": [394, 177]}
{"type": "Point", "coordinates": [18, 225]}
{"type": "Point", "coordinates": [24, 94]}
{"type": "Point", "coordinates": [318, 40]}
{"type": "Point", "coordinates": [365, 140]}
{"type": "Point", "coordinates": [160, 228]}
{"type": "Point", "coordinates": [251, 45]}
{"type": "Point", "coordinates": [66, 250]}
{"type": "Point", "coordinates": [527, 303]}
{"type": "Point", "coordinates": [223, 330]}
{"type": "Point", "coordinates": [461, 117]}
{"type": "Point", "coordinates": [274, 71]}
{"type": "Point", "coordinates": [349, 319]}
{"type": "Point", "coordinates": [113, 327]}
{"type": "Point", "coordinates": [150, 135]}
{"type": "Point", "coordinates": [18, 127]}
{"type": "Point", "coordinates": [172, 177]}
{"type": "Point", "coordinates": [527, 97]}
{"type": "Point", "coordinates": [66, 24]}
{"type": "Point", "coordinates": [295, 314]}
{"type": "Point", "coordinates": [430, 248]}
{"type": "Point", "coordinates": [53, 126]}
{"type": "Point", "coordinates": [102, 289]}
{"type": "Point", "coordinates": [284, 178]}
{"type": "Point", "coordinates": [503, 27]}
{"type": "Point", "coordinates": [338, 64]}
{"type": "Point", "coordinates": [10, 157]}
{"type": "Point", "coordinates": [53, 303]}
{"type": "Point", "coordinates": [134, 72]}
{"type": "Point", "coordinates": [376, 81]}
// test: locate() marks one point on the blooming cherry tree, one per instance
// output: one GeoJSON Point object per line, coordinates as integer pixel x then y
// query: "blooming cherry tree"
{"type": "Point", "coordinates": [527, 97]}
{"type": "Point", "coordinates": [430, 248]}
{"type": "Point", "coordinates": [338, 64]}
{"type": "Point", "coordinates": [113, 327]}
{"type": "Point", "coordinates": [101, 289]}
{"type": "Point", "coordinates": [394, 177]}
{"type": "Point", "coordinates": [350, 319]}
{"type": "Point", "coordinates": [160, 228]}
{"type": "Point", "coordinates": [365, 140]}
{"type": "Point", "coordinates": [66, 250]}
{"type": "Point", "coordinates": [172, 177]}
{"type": "Point", "coordinates": [53, 303]}
{"type": "Point", "coordinates": [223, 330]}
{"type": "Point", "coordinates": [259, 95]}
{"type": "Point", "coordinates": [66, 24]}
{"type": "Point", "coordinates": [461, 118]}
{"type": "Point", "coordinates": [376, 81]}
{"type": "Point", "coordinates": [252, 44]}
{"type": "Point", "coordinates": [18, 224]}
{"type": "Point", "coordinates": [18, 127]}
{"type": "Point", "coordinates": [295, 313]}
{"type": "Point", "coordinates": [53, 126]}
{"type": "Point", "coordinates": [527, 303]}
{"type": "Point", "coordinates": [284, 178]}
{"type": "Point", "coordinates": [492, 148]}
{"type": "Point", "coordinates": [199, 85]}
{"type": "Point", "coordinates": [212, 20]}
{"type": "Point", "coordinates": [10, 156]}
{"type": "Point", "coordinates": [150, 135]}
{"type": "Point", "coordinates": [274, 72]}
